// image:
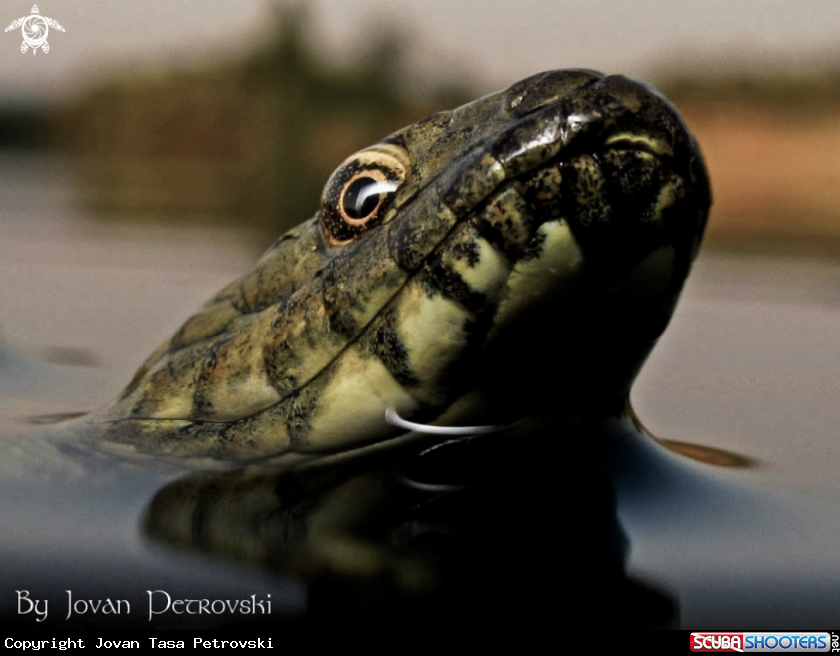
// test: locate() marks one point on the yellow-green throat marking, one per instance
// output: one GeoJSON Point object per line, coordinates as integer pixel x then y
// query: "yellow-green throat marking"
{"type": "Point", "coordinates": [517, 255]}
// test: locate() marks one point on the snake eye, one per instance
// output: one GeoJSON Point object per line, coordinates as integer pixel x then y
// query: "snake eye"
{"type": "Point", "coordinates": [363, 195]}
{"type": "Point", "coordinates": [359, 193]}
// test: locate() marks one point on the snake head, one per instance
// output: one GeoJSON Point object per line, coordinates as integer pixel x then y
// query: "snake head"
{"type": "Point", "coordinates": [522, 252]}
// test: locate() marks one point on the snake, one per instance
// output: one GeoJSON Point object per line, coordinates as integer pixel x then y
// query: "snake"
{"type": "Point", "coordinates": [517, 256]}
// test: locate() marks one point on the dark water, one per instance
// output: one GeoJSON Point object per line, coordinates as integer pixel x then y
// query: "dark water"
{"type": "Point", "coordinates": [602, 515]}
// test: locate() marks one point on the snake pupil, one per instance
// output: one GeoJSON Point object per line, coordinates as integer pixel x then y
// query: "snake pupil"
{"type": "Point", "coordinates": [360, 200]}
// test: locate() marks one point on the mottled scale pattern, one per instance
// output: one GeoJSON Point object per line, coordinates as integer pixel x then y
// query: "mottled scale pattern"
{"type": "Point", "coordinates": [539, 233]}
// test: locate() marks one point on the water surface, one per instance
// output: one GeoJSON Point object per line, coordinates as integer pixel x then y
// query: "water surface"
{"type": "Point", "coordinates": [749, 365]}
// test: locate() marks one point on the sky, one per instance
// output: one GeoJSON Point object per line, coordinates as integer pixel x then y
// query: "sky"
{"type": "Point", "coordinates": [490, 42]}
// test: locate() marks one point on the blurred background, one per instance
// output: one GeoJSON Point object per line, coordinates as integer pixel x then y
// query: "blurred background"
{"type": "Point", "coordinates": [158, 147]}
{"type": "Point", "coordinates": [235, 112]}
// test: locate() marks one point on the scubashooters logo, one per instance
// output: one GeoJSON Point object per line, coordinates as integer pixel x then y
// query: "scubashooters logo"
{"type": "Point", "coordinates": [754, 642]}
{"type": "Point", "coordinates": [35, 29]}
